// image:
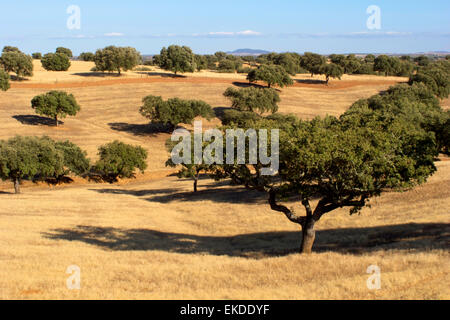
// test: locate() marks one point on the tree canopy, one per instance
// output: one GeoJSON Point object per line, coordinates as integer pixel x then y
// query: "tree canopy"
{"type": "Point", "coordinates": [17, 62]}
{"type": "Point", "coordinates": [120, 160]}
{"type": "Point", "coordinates": [177, 59]}
{"type": "Point", "coordinates": [65, 51]}
{"type": "Point", "coordinates": [271, 74]}
{"type": "Point", "coordinates": [331, 71]}
{"type": "Point", "coordinates": [174, 111]}
{"type": "Point", "coordinates": [312, 62]}
{"type": "Point", "coordinates": [55, 62]}
{"type": "Point", "coordinates": [116, 59]}
{"type": "Point", "coordinates": [29, 158]}
{"type": "Point", "coordinates": [55, 104]}
{"type": "Point", "coordinates": [86, 56]}
{"type": "Point", "coordinates": [260, 100]}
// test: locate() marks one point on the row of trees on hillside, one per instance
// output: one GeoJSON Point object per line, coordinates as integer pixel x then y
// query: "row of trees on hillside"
{"type": "Point", "coordinates": [43, 159]}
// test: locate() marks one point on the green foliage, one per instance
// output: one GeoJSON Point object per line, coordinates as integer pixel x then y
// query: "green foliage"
{"type": "Point", "coordinates": [229, 66]}
{"type": "Point", "coordinates": [55, 104]}
{"type": "Point", "coordinates": [177, 59]}
{"type": "Point", "coordinates": [422, 60]}
{"type": "Point", "coordinates": [120, 160]}
{"type": "Point", "coordinates": [370, 58]}
{"type": "Point", "coordinates": [414, 107]}
{"type": "Point", "coordinates": [201, 62]}
{"type": "Point", "coordinates": [75, 159]}
{"type": "Point", "coordinates": [289, 61]}
{"type": "Point", "coordinates": [271, 74]}
{"type": "Point", "coordinates": [4, 80]}
{"type": "Point", "coordinates": [86, 56]}
{"type": "Point", "coordinates": [29, 158]}
{"type": "Point", "coordinates": [238, 118]}
{"type": "Point", "coordinates": [331, 71]}
{"type": "Point", "coordinates": [10, 49]}
{"type": "Point", "coordinates": [36, 55]}
{"type": "Point", "coordinates": [55, 62]}
{"type": "Point", "coordinates": [312, 62]}
{"type": "Point", "coordinates": [17, 62]}
{"type": "Point", "coordinates": [436, 76]}
{"type": "Point", "coordinates": [65, 51]}
{"type": "Point", "coordinates": [387, 65]}
{"type": "Point", "coordinates": [260, 100]}
{"type": "Point", "coordinates": [116, 59]}
{"type": "Point", "coordinates": [174, 111]}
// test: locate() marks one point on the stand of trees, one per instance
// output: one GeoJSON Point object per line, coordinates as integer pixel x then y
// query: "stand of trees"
{"type": "Point", "coordinates": [174, 111]}
{"type": "Point", "coordinates": [116, 59]}
{"type": "Point", "coordinates": [39, 158]}
{"type": "Point", "coordinates": [86, 56]}
{"type": "Point", "coordinates": [259, 100]}
{"type": "Point", "coordinates": [13, 60]}
{"type": "Point", "coordinates": [55, 104]}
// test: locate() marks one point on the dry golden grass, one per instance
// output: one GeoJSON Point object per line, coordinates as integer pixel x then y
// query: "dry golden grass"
{"type": "Point", "coordinates": [151, 238]}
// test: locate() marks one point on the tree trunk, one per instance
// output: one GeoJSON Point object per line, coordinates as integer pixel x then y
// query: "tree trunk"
{"type": "Point", "coordinates": [196, 181]}
{"type": "Point", "coordinates": [308, 236]}
{"type": "Point", "coordinates": [328, 79]}
{"type": "Point", "coordinates": [56, 120]}
{"type": "Point", "coordinates": [17, 185]}
{"type": "Point", "coordinates": [268, 85]}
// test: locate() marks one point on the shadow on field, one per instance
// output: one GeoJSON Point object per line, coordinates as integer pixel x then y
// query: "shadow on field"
{"type": "Point", "coordinates": [247, 84]}
{"type": "Point", "coordinates": [311, 81]}
{"type": "Point", "coordinates": [96, 74]}
{"type": "Point", "coordinates": [150, 129]}
{"type": "Point", "coordinates": [421, 237]}
{"type": "Point", "coordinates": [207, 192]}
{"type": "Point", "coordinates": [160, 74]}
{"type": "Point", "coordinates": [34, 120]}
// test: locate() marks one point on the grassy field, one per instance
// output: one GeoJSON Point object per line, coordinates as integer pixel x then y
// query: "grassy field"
{"type": "Point", "coordinates": [151, 238]}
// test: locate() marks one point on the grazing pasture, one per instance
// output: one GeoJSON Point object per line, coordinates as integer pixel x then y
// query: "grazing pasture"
{"type": "Point", "coordinates": [152, 238]}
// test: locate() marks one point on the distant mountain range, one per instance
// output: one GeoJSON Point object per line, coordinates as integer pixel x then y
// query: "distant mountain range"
{"type": "Point", "coordinates": [248, 52]}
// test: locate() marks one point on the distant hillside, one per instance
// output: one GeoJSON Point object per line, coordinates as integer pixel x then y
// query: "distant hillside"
{"type": "Point", "coordinates": [248, 52]}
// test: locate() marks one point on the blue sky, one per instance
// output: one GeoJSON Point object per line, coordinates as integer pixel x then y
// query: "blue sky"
{"type": "Point", "coordinates": [323, 26]}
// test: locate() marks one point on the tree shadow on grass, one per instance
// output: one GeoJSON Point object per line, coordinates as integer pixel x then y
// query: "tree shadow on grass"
{"type": "Point", "coordinates": [34, 120]}
{"type": "Point", "coordinates": [420, 237]}
{"type": "Point", "coordinates": [219, 112]}
{"type": "Point", "coordinates": [207, 192]}
{"type": "Point", "coordinates": [247, 84]}
{"type": "Point", "coordinates": [97, 74]}
{"type": "Point", "coordinates": [161, 74]}
{"type": "Point", "coordinates": [311, 81]}
{"type": "Point", "coordinates": [149, 129]}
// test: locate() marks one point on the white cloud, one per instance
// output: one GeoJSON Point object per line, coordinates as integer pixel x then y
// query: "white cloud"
{"type": "Point", "coordinates": [114, 34]}
{"type": "Point", "coordinates": [231, 34]}
{"type": "Point", "coordinates": [249, 33]}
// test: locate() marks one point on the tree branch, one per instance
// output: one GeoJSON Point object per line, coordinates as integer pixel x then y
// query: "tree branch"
{"type": "Point", "coordinates": [290, 213]}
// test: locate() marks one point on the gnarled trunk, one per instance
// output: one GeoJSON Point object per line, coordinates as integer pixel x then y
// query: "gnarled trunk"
{"type": "Point", "coordinates": [17, 185]}
{"type": "Point", "coordinates": [308, 236]}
